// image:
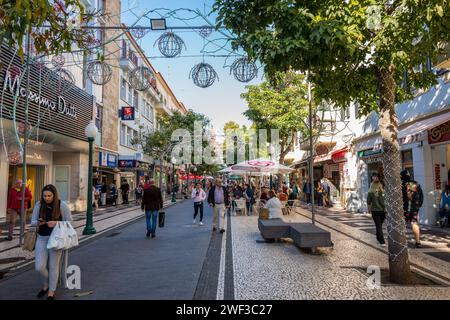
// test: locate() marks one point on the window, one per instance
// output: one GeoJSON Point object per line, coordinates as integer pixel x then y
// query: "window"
{"type": "Point", "coordinates": [152, 114]}
{"type": "Point", "coordinates": [136, 101]}
{"type": "Point", "coordinates": [130, 94]}
{"type": "Point", "coordinates": [62, 182]}
{"type": "Point", "coordinates": [124, 48]}
{"type": "Point", "coordinates": [356, 110]}
{"type": "Point", "coordinates": [123, 89]}
{"type": "Point", "coordinates": [99, 118]}
{"type": "Point", "coordinates": [345, 113]}
{"type": "Point", "coordinates": [407, 162]}
{"type": "Point", "coordinates": [129, 137]}
{"type": "Point", "coordinates": [123, 135]}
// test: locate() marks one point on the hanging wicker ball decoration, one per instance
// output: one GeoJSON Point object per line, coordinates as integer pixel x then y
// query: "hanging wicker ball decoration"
{"type": "Point", "coordinates": [99, 72]}
{"type": "Point", "coordinates": [244, 70]}
{"type": "Point", "coordinates": [61, 80]}
{"type": "Point", "coordinates": [138, 32]}
{"type": "Point", "coordinates": [14, 158]}
{"type": "Point", "coordinates": [203, 75]}
{"type": "Point", "coordinates": [170, 45]}
{"type": "Point", "coordinates": [141, 78]}
{"type": "Point", "coordinates": [58, 61]}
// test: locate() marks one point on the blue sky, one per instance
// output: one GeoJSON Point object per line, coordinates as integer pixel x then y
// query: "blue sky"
{"type": "Point", "coordinates": [221, 102]}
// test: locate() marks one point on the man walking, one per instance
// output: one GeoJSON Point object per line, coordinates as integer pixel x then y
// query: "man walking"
{"type": "Point", "coordinates": [125, 189]}
{"type": "Point", "coordinates": [412, 201]}
{"type": "Point", "coordinates": [218, 199]}
{"type": "Point", "coordinates": [14, 204]}
{"type": "Point", "coordinates": [198, 196]}
{"type": "Point", "coordinates": [152, 202]}
{"type": "Point", "coordinates": [104, 191]}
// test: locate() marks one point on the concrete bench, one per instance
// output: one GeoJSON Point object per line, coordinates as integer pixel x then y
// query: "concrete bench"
{"type": "Point", "coordinates": [307, 235]}
{"type": "Point", "coordinates": [273, 229]}
{"type": "Point", "coordinates": [304, 235]}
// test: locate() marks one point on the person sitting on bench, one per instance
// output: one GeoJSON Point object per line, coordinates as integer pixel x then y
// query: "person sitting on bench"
{"type": "Point", "coordinates": [274, 206]}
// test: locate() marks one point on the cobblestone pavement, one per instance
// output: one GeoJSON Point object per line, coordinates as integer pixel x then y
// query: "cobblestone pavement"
{"type": "Point", "coordinates": [282, 271]}
{"type": "Point", "coordinates": [187, 261]}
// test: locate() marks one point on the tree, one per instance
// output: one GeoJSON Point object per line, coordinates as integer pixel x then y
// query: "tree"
{"type": "Point", "coordinates": [53, 25]}
{"type": "Point", "coordinates": [279, 104]}
{"type": "Point", "coordinates": [355, 51]}
{"type": "Point", "coordinates": [230, 125]}
{"type": "Point", "coordinates": [159, 144]}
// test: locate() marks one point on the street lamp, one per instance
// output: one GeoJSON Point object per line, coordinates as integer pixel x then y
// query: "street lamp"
{"type": "Point", "coordinates": [174, 198]}
{"type": "Point", "coordinates": [91, 132]}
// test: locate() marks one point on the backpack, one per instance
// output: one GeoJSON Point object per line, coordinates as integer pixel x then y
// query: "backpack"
{"type": "Point", "coordinates": [415, 186]}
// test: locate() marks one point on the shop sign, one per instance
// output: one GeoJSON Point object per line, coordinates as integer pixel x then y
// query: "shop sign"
{"type": "Point", "coordinates": [339, 156]}
{"type": "Point", "coordinates": [106, 159]}
{"type": "Point", "coordinates": [439, 134]}
{"type": "Point", "coordinates": [437, 176]}
{"type": "Point", "coordinates": [34, 156]}
{"type": "Point", "coordinates": [143, 166]}
{"type": "Point", "coordinates": [127, 163]}
{"type": "Point", "coordinates": [48, 108]}
{"type": "Point", "coordinates": [369, 153]}
{"type": "Point", "coordinates": [321, 149]}
{"type": "Point", "coordinates": [127, 113]}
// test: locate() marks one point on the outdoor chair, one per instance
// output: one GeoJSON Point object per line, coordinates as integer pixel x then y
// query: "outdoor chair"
{"type": "Point", "coordinates": [240, 205]}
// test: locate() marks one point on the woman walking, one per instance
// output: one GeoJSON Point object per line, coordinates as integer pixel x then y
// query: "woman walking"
{"type": "Point", "coordinates": [375, 205]}
{"type": "Point", "coordinates": [198, 196]}
{"type": "Point", "coordinates": [46, 214]}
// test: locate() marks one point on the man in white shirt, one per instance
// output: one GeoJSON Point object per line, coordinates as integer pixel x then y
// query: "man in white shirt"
{"type": "Point", "coordinates": [198, 196]}
{"type": "Point", "coordinates": [274, 206]}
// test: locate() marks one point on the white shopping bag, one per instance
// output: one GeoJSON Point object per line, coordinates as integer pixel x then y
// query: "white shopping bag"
{"type": "Point", "coordinates": [63, 236]}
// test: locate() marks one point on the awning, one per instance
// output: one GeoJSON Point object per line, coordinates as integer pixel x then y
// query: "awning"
{"type": "Point", "coordinates": [339, 155]}
{"type": "Point", "coordinates": [414, 132]}
{"type": "Point", "coordinates": [418, 130]}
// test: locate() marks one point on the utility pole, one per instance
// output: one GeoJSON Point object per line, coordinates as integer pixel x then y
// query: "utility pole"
{"type": "Point", "coordinates": [311, 155]}
{"type": "Point", "coordinates": [25, 142]}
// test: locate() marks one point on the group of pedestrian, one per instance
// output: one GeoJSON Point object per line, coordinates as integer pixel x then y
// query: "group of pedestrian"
{"type": "Point", "coordinates": [322, 192]}
{"type": "Point", "coordinates": [100, 195]}
{"type": "Point", "coordinates": [412, 196]}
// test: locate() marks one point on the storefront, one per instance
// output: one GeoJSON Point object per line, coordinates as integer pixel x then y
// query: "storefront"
{"type": "Point", "coordinates": [57, 148]}
{"type": "Point", "coordinates": [339, 158]}
{"type": "Point", "coordinates": [424, 152]}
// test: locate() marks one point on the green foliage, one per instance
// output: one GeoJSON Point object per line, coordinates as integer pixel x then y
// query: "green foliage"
{"type": "Point", "coordinates": [342, 43]}
{"type": "Point", "coordinates": [20, 17]}
{"type": "Point", "coordinates": [280, 103]}
{"type": "Point", "coordinates": [158, 144]}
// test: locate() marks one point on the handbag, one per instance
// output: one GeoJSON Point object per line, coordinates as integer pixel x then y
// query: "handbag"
{"type": "Point", "coordinates": [29, 239]}
{"type": "Point", "coordinates": [63, 236]}
{"type": "Point", "coordinates": [161, 219]}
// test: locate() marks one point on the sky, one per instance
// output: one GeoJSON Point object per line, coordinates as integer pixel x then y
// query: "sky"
{"type": "Point", "coordinates": [221, 102]}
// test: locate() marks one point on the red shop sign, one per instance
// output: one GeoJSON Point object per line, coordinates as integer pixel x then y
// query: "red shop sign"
{"type": "Point", "coordinates": [437, 176]}
{"type": "Point", "coordinates": [440, 133]}
{"type": "Point", "coordinates": [339, 156]}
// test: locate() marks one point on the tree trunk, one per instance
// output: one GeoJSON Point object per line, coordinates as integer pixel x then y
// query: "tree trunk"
{"type": "Point", "coordinates": [399, 269]}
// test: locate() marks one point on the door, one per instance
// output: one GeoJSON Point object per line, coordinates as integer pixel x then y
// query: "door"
{"type": "Point", "coordinates": [62, 182]}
